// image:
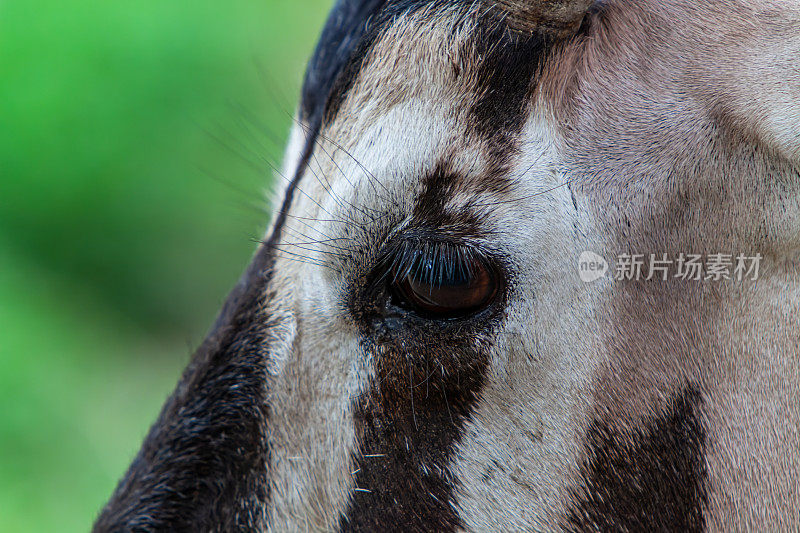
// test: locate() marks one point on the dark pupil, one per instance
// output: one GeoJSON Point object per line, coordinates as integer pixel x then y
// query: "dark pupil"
{"type": "Point", "coordinates": [446, 288]}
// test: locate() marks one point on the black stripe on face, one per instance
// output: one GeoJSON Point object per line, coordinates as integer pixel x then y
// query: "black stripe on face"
{"type": "Point", "coordinates": [506, 74]}
{"type": "Point", "coordinates": [439, 187]}
{"type": "Point", "coordinates": [338, 56]}
{"type": "Point", "coordinates": [505, 85]}
{"type": "Point", "coordinates": [654, 481]}
{"type": "Point", "coordinates": [373, 21]}
{"type": "Point", "coordinates": [407, 432]}
{"type": "Point", "coordinates": [506, 65]}
{"type": "Point", "coordinates": [428, 376]}
{"type": "Point", "coordinates": [204, 464]}
{"type": "Point", "coordinates": [428, 381]}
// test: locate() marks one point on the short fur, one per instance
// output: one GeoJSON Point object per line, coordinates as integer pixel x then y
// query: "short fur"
{"type": "Point", "coordinates": [528, 132]}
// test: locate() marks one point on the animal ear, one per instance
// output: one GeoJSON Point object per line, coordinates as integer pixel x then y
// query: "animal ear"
{"type": "Point", "coordinates": [558, 18]}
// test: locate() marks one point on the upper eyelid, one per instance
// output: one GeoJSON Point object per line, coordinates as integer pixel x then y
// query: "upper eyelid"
{"type": "Point", "coordinates": [412, 245]}
{"type": "Point", "coordinates": [392, 237]}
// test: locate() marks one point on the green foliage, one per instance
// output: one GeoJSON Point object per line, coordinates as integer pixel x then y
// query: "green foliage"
{"type": "Point", "coordinates": [136, 144]}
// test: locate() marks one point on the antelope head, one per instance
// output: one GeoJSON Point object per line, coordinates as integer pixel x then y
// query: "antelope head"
{"type": "Point", "coordinates": [535, 268]}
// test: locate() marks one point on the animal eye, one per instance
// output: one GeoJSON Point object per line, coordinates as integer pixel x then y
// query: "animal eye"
{"type": "Point", "coordinates": [444, 283]}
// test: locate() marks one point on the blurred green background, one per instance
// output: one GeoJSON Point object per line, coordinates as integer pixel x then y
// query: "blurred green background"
{"type": "Point", "coordinates": [135, 148]}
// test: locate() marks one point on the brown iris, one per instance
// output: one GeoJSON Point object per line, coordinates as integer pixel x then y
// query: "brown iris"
{"type": "Point", "coordinates": [445, 285]}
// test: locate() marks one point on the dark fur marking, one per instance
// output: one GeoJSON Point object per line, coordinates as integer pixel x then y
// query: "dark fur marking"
{"type": "Point", "coordinates": [204, 463]}
{"type": "Point", "coordinates": [428, 377]}
{"type": "Point", "coordinates": [438, 188]}
{"type": "Point", "coordinates": [371, 25]}
{"type": "Point", "coordinates": [506, 76]}
{"type": "Point", "coordinates": [410, 487]}
{"type": "Point", "coordinates": [655, 481]}
{"type": "Point", "coordinates": [203, 466]}
{"type": "Point", "coordinates": [505, 83]}
{"type": "Point", "coordinates": [337, 58]}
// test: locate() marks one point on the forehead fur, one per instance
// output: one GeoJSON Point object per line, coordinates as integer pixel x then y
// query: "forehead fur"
{"type": "Point", "coordinates": [558, 17]}
{"type": "Point", "coordinates": [420, 56]}
{"type": "Point", "coordinates": [661, 126]}
{"type": "Point", "coordinates": [428, 68]}
{"type": "Point", "coordinates": [355, 26]}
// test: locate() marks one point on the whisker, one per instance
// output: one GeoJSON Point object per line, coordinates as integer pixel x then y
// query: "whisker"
{"type": "Point", "coordinates": [333, 160]}
{"type": "Point", "coordinates": [227, 183]}
{"type": "Point", "coordinates": [285, 245]}
{"type": "Point", "coordinates": [372, 178]}
{"type": "Point", "coordinates": [283, 99]}
{"type": "Point", "coordinates": [330, 192]}
{"type": "Point", "coordinates": [295, 260]}
{"type": "Point", "coordinates": [260, 127]}
{"type": "Point", "coordinates": [239, 203]}
{"type": "Point", "coordinates": [317, 219]}
{"type": "Point", "coordinates": [330, 188]}
{"type": "Point", "coordinates": [244, 157]}
{"type": "Point", "coordinates": [313, 241]}
{"type": "Point", "coordinates": [309, 226]}
{"type": "Point", "coordinates": [519, 199]}
{"type": "Point", "coordinates": [306, 260]}
{"type": "Point", "coordinates": [272, 166]}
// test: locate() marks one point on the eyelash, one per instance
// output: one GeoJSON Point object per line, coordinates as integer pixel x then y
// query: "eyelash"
{"type": "Point", "coordinates": [443, 260]}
